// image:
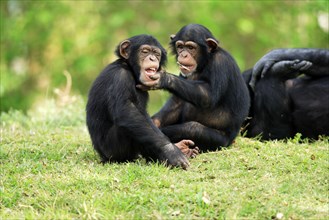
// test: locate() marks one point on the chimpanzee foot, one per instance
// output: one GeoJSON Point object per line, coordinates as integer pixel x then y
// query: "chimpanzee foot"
{"type": "Point", "coordinates": [193, 152]}
{"type": "Point", "coordinates": [184, 146]}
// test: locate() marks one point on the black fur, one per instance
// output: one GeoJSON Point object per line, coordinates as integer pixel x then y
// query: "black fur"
{"type": "Point", "coordinates": [119, 126]}
{"type": "Point", "coordinates": [285, 102]}
{"type": "Point", "coordinates": [210, 106]}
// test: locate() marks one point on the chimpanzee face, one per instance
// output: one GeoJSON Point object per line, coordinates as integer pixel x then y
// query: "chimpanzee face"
{"type": "Point", "coordinates": [145, 59]}
{"type": "Point", "coordinates": [187, 56]}
{"type": "Point", "coordinates": [149, 61]}
{"type": "Point", "coordinates": [194, 46]}
{"type": "Point", "coordinates": [190, 55]}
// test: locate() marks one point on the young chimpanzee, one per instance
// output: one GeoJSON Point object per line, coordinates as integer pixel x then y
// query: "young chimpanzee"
{"type": "Point", "coordinates": [210, 99]}
{"type": "Point", "coordinates": [284, 101]}
{"type": "Point", "coordinates": [119, 126]}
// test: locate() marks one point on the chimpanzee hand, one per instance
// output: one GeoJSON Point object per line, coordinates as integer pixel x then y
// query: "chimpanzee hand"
{"type": "Point", "coordinates": [174, 156]}
{"type": "Point", "coordinates": [184, 146]}
{"type": "Point", "coordinates": [265, 66]}
{"type": "Point", "coordinates": [150, 85]}
{"type": "Point", "coordinates": [286, 66]}
{"type": "Point", "coordinates": [277, 55]}
{"type": "Point", "coordinates": [260, 68]}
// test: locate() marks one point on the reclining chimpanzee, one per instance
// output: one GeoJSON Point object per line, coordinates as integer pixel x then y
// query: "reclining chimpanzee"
{"type": "Point", "coordinates": [283, 101]}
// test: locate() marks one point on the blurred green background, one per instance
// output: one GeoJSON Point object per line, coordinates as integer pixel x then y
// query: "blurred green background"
{"type": "Point", "coordinates": [45, 43]}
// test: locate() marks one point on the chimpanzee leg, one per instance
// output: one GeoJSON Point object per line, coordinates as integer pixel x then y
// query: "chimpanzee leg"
{"type": "Point", "coordinates": [116, 147]}
{"type": "Point", "coordinates": [205, 138]}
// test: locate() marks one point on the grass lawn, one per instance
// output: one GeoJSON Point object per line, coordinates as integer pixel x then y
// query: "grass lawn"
{"type": "Point", "coordinates": [50, 171]}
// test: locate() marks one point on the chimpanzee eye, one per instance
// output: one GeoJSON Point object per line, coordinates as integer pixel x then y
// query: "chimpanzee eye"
{"type": "Point", "coordinates": [145, 51]}
{"type": "Point", "coordinates": [179, 48]}
{"type": "Point", "coordinates": [190, 47]}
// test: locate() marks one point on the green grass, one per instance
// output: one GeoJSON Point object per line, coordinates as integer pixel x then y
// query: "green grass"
{"type": "Point", "coordinates": [50, 171]}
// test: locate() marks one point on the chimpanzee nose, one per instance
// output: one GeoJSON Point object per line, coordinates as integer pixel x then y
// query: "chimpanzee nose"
{"type": "Point", "coordinates": [184, 54]}
{"type": "Point", "coordinates": [152, 58]}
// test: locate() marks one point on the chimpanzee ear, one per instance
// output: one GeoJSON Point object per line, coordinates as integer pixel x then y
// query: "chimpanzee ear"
{"type": "Point", "coordinates": [123, 48]}
{"type": "Point", "coordinates": [212, 44]}
{"type": "Point", "coordinates": [172, 36]}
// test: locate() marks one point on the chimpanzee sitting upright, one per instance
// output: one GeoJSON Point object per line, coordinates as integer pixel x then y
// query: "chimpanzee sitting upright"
{"type": "Point", "coordinates": [283, 102]}
{"type": "Point", "coordinates": [118, 123]}
{"type": "Point", "coordinates": [210, 99]}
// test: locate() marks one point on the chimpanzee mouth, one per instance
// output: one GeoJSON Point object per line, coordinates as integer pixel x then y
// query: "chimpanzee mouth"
{"type": "Point", "coordinates": [151, 71]}
{"type": "Point", "coordinates": [185, 67]}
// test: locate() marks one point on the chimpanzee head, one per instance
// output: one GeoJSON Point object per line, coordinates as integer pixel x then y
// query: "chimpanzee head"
{"type": "Point", "coordinates": [193, 45]}
{"type": "Point", "coordinates": [144, 55]}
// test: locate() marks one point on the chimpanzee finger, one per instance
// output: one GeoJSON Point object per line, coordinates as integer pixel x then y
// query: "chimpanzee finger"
{"type": "Point", "coordinates": [197, 149]}
{"type": "Point", "coordinates": [189, 143]}
{"type": "Point", "coordinates": [266, 67]}
{"type": "Point", "coordinates": [155, 76]}
{"type": "Point", "coordinates": [252, 83]}
{"type": "Point", "coordinates": [258, 70]}
{"type": "Point", "coordinates": [300, 65]}
{"type": "Point", "coordinates": [190, 153]}
{"type": "Point", "coordinates": [142, 87]}
{"type": "Point", "coordinates": [151, 85]}
{"type": "Point", "coordinates": [307, 66]}
{"type": "Point", "coordinates": [195, 152]}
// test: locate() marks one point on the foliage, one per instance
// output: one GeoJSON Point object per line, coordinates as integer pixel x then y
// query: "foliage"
{"type": "Point", "coordinates": [49, 171]}
{"type": "Point", "coordinates": [42, 39]}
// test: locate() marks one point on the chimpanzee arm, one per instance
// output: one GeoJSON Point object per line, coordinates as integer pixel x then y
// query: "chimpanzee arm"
{"type": "Point", "coordinates": [128, 111]}
{"type": "Point", "coordinates": [318, 57]}
{"type": "Point", "coordinates": [287, 69]}
{"type": "Point", "coordinates": [169, 113]}
{"type": "Point", "coordinates": [138, 124]}
{"type": "Point", "coordinates": [194, 91]}
{"type": "Point", "coordinates": [140, 127]}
